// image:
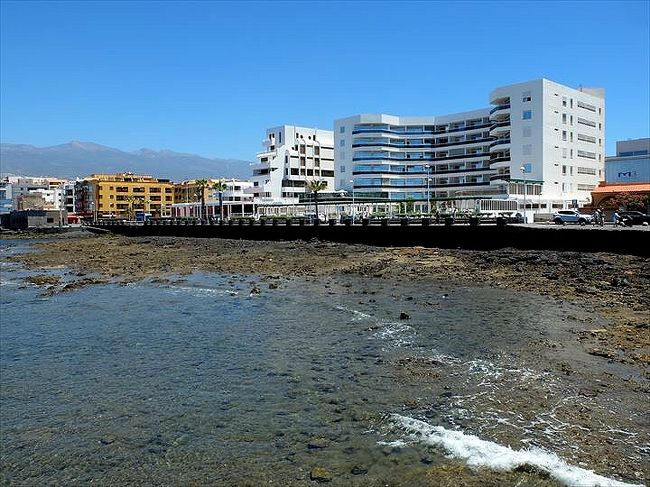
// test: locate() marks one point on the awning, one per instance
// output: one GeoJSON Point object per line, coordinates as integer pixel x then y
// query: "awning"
{"type": "Point", "coordinates": [622, 188]}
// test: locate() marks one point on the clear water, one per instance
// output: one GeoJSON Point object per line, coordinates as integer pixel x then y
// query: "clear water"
{"type": "Point", "coordinates": [198, 381]}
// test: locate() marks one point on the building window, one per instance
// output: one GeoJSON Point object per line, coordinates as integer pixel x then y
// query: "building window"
{"type": "Point", "coordinates": [526, 96]}
{"type": "Point", "coordinates": [342, 143]}
{"type": "Point", "coordinates": [527, 131]}
{"type": "Point", "coordinates": [564, 101]}
{"type": "Point", "coordinates": [527, 115]}
{"type": "Point", "coordinates": [342, 129]}
{"type": "Point", "coordinates": [279, 137]}
{"type": "Point", "coordinates": [342, 168]}
{"type": "Point", "coordinates": [527, 149]}
{"type": "Point", "coordinates": [564, 135]}
{"type": "Point", "coordinates": [564, 118]}
{"type": "Point", "coordinates": [563, 170]}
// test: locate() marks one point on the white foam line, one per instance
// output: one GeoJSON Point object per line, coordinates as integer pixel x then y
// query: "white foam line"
{"type": "Point", "coordinates": [358, 315]}
{"type": "Point", "coordinates": [482, 453]}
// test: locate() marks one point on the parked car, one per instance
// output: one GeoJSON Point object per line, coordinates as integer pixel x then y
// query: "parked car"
{"type": "Point", "coordinates": [571, 216]}
{"type": "Point", "coordinates": [635, 217]}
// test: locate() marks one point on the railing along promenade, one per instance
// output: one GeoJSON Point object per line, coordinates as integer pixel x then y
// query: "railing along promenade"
{"type": "Point", "coordinates": [471, 234]}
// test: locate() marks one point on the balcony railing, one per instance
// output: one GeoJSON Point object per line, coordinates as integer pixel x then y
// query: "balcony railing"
{"type": "Point", "coordinates": [360, 144]}
{"type": "Point", "coordinates": [499, 142]}
{"type": "Point", "coordinates": [499, 107]}
{"type": "Point", "coordinates": [502, 177]}
{"type": "Point", "coordinates": [364, 130]}
{"type": "Point", "coordinates": [500, 159]}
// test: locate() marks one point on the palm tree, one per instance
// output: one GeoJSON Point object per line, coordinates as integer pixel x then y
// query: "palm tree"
{"type": "Point", "coordinates": [220, 186]}
{"type": "Point", "coordinates": [316, 186]}
{"type": "Point", "coordinates": [201, 184]}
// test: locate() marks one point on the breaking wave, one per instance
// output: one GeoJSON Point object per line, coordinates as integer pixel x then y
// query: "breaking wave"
{"type": "Point", "coordinates": [482, 453]}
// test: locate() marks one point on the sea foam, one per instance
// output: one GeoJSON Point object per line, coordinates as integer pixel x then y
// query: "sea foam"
{"type": "Point", "coordinates": [482, 453]}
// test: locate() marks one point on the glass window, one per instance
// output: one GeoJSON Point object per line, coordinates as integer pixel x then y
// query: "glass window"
{"type": "Point", "coordinates": [527, 115]}
{"type": "Point", "coordinates": [342, 129]}
{"type": "Point", "coordinates": [342, 168]}
{"type": "Point", "coordinates": [342, 143]}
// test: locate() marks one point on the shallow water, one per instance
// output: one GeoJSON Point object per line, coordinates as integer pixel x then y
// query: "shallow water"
{"type": "Point", "coordinates": [198, 379]}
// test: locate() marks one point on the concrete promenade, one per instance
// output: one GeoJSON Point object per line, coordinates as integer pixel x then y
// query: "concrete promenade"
{"type": "Point", "coordinates": [630, 240]}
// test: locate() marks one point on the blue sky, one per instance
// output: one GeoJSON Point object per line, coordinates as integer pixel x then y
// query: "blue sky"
{"type": "Point", "coordinates": [210, 77]}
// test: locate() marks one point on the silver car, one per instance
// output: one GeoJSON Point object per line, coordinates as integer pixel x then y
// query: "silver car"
{"type": "Point", "coordinates": [571, 216]}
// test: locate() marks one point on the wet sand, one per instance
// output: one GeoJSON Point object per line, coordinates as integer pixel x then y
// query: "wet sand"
{"type": "Point", "coordinates": [599, 357]}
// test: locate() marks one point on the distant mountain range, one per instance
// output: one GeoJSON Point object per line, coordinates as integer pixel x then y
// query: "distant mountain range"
{"type": "Point", "coordinates": [79, 159]}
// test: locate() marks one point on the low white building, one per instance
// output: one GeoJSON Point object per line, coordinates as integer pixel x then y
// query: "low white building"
{"type": "Point", "coordinates": [294, 156]}
{"type": "Point", "coordinates": [236, 198]}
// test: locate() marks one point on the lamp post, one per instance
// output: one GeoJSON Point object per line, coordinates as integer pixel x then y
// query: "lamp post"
{"type": "Point", "coordinates": [523, 172]}
{"type": "Point", "coordinates": [353, 210]}
{"type": "Point", "coordinates": [428, 168]}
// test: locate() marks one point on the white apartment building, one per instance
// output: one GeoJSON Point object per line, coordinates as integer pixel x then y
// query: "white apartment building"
{"type": "Point", "coordinates": [540, 134]}
{"type": "Point", "coordinates": [294, 156]}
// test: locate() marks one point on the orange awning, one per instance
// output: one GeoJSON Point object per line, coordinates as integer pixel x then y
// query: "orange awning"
{"type": "Point", "coordinates": [622, 188]}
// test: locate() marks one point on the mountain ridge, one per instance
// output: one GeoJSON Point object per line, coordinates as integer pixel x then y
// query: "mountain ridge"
{"type": "Point", "coordinates": [82, 158]}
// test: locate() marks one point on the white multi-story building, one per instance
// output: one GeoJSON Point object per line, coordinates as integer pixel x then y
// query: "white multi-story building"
{"type": "Point", "coordinates": [539, 134]}
{"type": "Point", "coordinates": [294, 156]}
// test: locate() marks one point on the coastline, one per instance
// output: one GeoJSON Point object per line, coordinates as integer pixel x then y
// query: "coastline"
{"type": "Point", "coordinates": [613, 286]}
{"type": "Point", "coordinates": [599, 356]}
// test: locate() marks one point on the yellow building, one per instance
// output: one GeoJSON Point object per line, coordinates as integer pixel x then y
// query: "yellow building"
{"type": "Point", "coordinates": [124, 195]}
{"type": "Point", "coordinates": [188, 191]}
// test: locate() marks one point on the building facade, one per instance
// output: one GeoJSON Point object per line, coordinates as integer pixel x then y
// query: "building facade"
{"type": "Point", "coordinates": [294, 156]}
{"type": "Point", "coordinates": [537, 137]}
{"type": "Point", "coordinates": [237, 202]}
{"type": "Point", "coordinates": [626, 173]}
{"type": "Point", "coordinates": [631, 164]}
{"type": "Point", "coordinates": [123, 195]}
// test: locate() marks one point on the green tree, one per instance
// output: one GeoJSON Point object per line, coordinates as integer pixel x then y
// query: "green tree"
{"type": "Point", "coordinates": [201, 184]}
{"type": "Point", "coordinates": [220, 186]}
{"type": "Point", "coordinates": [316, 186]}
{"type": "Point", "coordinates": [629, 201]}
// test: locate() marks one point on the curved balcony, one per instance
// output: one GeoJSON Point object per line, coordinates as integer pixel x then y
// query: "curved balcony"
{"type": "Point", "coordinates": [499, 129]}
{"type": "Point", "coordinates": [500, 178]}
{"type": "Point", "coordinates": [498, 145]}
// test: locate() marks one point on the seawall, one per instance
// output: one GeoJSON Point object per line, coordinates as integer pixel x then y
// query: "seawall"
{"type": "Point", "coordinates": [632, 241]}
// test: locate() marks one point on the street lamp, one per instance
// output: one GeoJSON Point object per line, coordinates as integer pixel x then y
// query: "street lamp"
{"type": "Point", "coordinates": [428, 168]}
{"type": "Point", "coordinates": [523, 172]}
{"type": "Point", "coordinates": [353, 212]}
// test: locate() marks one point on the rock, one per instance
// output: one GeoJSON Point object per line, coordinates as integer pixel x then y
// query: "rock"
{"type": "Point", "coordinates": [427, 460]}
{"type": "Point", "coordinates": [107, 440]}
{"type": "Point", "coordinates": [601, 353]}
{"type": "Point", "coordinates": [404, 316]}
{"type": "Point", "coordinates": [320, 474]}
{"type": "Point", "coordinates": [620, 282]}
{"type": "Point", "coordinates": [533, 469]}
{"type": "Point", "coordinates": [273, 285]}
{"type": "Point", "coordinates": [317, 443]}
{"type": "Point", "coordinates": [358, 470]}
{"type": "Point", "coordinates": [255, 291]}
